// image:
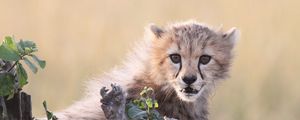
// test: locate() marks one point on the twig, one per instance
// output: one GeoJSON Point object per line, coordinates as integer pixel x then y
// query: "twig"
{"type": "Point", "coordinates": [22, 57]}
{"type": "Point", "coordinates": [13, 66]}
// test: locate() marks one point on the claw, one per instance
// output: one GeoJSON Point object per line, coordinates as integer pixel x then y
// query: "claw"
{"type": "Point", "coordinates": [114, 87]}
{"type": "Point", "coordinates": [103, 91]}
{"type": "Point", "coordinates": [113, 102]}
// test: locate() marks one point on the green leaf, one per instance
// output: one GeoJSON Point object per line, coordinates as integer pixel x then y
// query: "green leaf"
{"type": "Point", "coordinates": [46, 109]}
{"type": "Point", "coordinates": [45, 105]}
{"type": "Point", "coordinates": [142, 105]}
{"type": "Point", "coordinates": [6, 84]}
{"type": "Point", "coordinates": [32, 67]}
{"type": "Point", "coordinates": [8, 50]}
{"type": "Point", "coordinates": [42, 63]}
{"type": "Point", "coordinates": [134, 113]}
{"type": "Point", "coordinates": [34, 49]}
{"type": "Point", "coordinates": [144, 91]}
{"type": "Point", "coordinates": [8, 54]}
{"type": "Point", "coordinates": [50, 115]}
{"type": "Point", "coordinates": [22, 75]}
{"type": "Point", "coordinates": [149, 89]}
{"type": "Point", "coordinates": [143, 108]}
{"type": "Point", "coordinates": [27, 50]}
{"type": "Point", "coordinates": [20, 49]}
{"type": "Point", "coordinates": [136, 102]}
{"type": "Point", "coordinates": [149, 102]}
{"type": "Point", "coordinates": [26, 46]}
{"type": "Point", "coordinates": [10, 43]}
{"type": "Point", "coordinates": [155, 104]}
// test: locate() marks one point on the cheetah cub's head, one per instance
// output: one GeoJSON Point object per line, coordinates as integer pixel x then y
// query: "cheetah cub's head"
{"type": "Point", "coordinates": [190, 58]}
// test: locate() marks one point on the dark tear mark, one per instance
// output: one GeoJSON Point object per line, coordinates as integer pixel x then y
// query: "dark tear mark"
{"type": "Point", "coordinates": [178, 71]}
{"type": "Point", "coordinates": [203, 46]}
{"type": "Point", "coordinates": [199, 69]}
{"type": "Point", "coordinates": [202, 77]}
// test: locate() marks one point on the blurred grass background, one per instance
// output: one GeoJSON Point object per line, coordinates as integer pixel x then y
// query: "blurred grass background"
{"type": "Point", "coordinates": [81, 39]}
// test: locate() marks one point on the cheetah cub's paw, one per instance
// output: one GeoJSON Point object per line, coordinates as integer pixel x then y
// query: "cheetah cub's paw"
{"type": "Point", "coordinates": [113, 103]}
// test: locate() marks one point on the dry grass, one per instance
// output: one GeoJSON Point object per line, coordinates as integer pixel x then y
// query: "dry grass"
{"type": "Point", "coordinates": [80, 39]}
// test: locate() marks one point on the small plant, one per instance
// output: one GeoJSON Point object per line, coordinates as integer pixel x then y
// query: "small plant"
{"type": "Point", "coordinates": [143, 108]}
{"type": "Point", "coordinates": [13, 79]}
{"type": "Point", "coordinates": [50, 115]}
{"type": "Point", "coordinates": [15, 104]}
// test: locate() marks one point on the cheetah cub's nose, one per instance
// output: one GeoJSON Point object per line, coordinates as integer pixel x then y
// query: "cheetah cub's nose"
{"type": "Point", "coordinates": [189, 79]}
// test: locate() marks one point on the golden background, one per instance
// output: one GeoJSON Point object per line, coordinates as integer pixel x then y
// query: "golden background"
{"type": "Point", "coordinates": [81, 39]}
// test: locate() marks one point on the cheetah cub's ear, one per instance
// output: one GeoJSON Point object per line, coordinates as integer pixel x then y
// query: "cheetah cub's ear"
{"type": "Point", "coordinates": [231, 35]}
{"type": "Point", "coordinates": [157, 31]}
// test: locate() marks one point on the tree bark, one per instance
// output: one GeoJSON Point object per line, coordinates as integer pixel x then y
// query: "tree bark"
{"type": "Point", "coordinates": [17, 108]}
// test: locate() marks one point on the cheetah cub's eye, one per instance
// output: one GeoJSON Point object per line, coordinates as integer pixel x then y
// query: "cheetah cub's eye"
{"type": "Point", "coordinates": [175, 58]}
{"type": "Point", "coordinates": [204, 59]}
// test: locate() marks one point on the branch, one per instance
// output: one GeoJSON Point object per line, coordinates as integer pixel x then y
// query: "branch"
{"type": "Point", "coordinates": [3, 110]}
{"type": "Point", "coordinates": [13, 66]}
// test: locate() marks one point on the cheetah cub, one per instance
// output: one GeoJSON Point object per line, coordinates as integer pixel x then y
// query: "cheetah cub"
{"type": "Point", "coordinates": [182, 62]}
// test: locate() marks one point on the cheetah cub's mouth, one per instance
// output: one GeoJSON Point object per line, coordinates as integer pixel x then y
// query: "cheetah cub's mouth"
{"type": "Point", "coordinates": [189, 91]}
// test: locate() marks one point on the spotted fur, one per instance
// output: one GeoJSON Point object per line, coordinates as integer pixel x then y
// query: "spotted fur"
{"type": "Point", "coordinates": [149, 65]}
